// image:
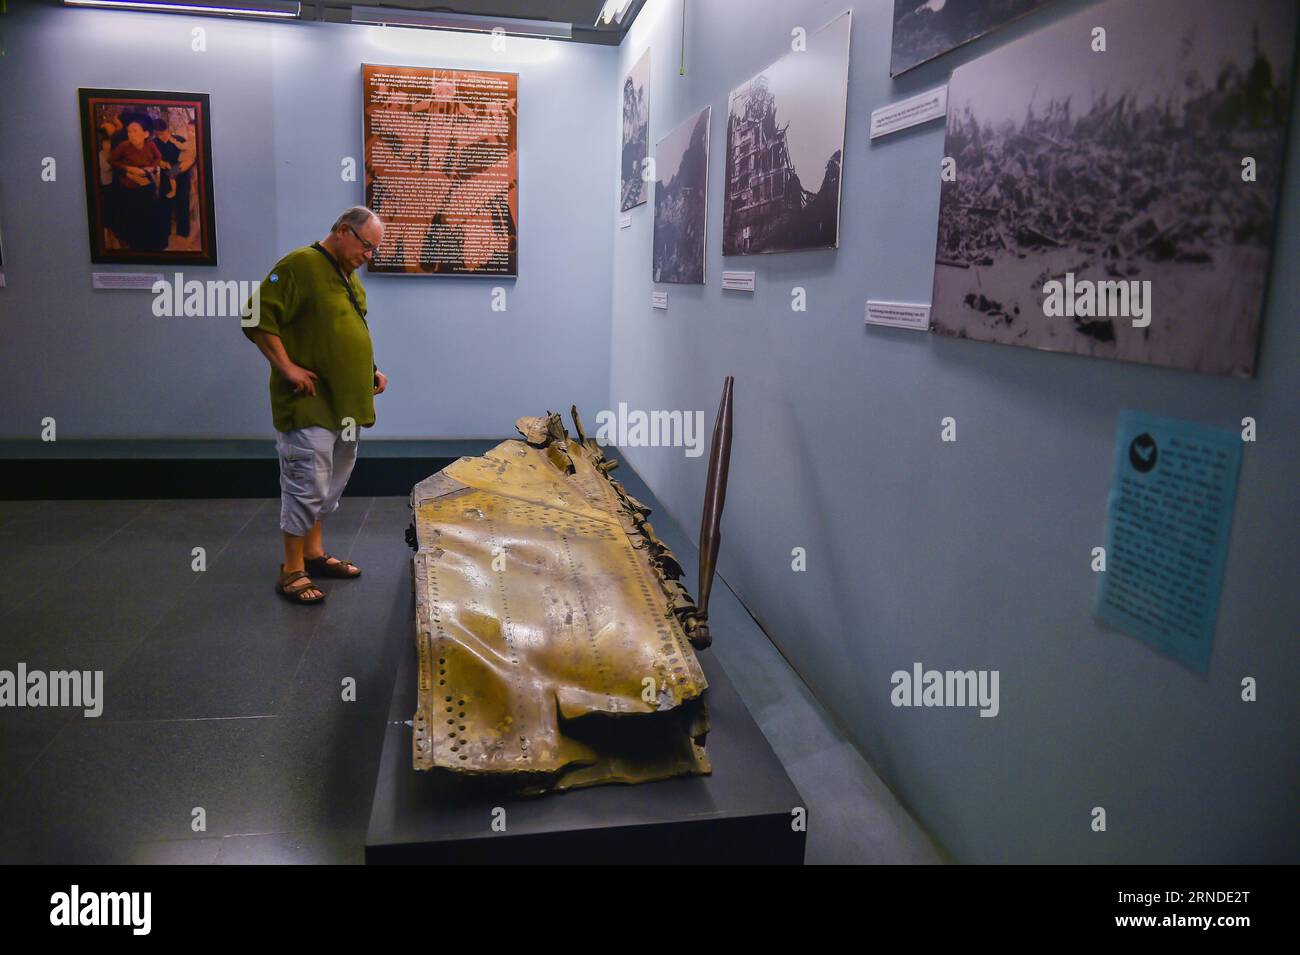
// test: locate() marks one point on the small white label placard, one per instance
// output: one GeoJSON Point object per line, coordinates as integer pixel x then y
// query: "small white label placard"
{"type": "Point", "coordinates": [144, 280]}
{"type": "Point", "coordinates": [659, 299]}
{"type": "Point", "coordinates": [899, 315]}
{"type": "Point", "coordinates": [738, 281]}
{"type": "Point", "coordinates": [909, 112]}
{"type": "Point", "coordinates": [625, 222]}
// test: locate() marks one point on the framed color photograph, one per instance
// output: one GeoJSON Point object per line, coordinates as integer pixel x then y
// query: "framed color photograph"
{"type": "Point", "coordinates": [148, 162]}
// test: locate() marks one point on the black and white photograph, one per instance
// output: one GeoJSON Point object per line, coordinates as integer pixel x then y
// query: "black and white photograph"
{"type": "Point", "coordinates": [636, 134]}
{"type": "Point", "coordinates": [681, 201]}
{"type": "Point", "coordinates": [1120, 204]}
{"type": "Point", "coordinates": [785, 149]}
{"type": "Point", "coordinates": [924, 29]}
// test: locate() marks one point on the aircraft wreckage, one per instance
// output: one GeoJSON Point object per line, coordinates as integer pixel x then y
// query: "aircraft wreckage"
{"type": "Point", "coordinates": [556, 642]}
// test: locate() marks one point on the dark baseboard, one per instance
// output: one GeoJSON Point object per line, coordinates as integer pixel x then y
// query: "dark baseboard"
{"type": "Point", "coordinates": [63, 479]}
{"type": "Point", "coordinates": [103, 469]}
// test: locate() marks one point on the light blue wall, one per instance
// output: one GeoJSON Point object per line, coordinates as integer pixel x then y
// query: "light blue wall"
{"type": "Point", "coordinates": [965, 555]}
{"type": "Point", "coordinates": [972, 555]}
{"type": "Point", "coordinates": [286, 106]}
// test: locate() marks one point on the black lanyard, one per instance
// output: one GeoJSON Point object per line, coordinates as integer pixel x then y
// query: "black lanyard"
{"type": "Point", "coordinates": [352, 296]}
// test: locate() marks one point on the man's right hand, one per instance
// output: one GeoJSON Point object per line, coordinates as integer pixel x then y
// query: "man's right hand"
{"type": "Point", "coordinates": [301, 379]}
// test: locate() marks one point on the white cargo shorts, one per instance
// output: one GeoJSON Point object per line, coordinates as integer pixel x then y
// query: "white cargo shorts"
{"type": "Point", "coordinates": [315, 464]}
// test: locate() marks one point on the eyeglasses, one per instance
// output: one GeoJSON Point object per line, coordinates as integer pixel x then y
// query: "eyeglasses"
{"type": "Point", "coordinates": [364, 244]}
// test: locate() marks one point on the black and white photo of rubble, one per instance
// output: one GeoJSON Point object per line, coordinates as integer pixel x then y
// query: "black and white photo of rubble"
{"type": "Point", "coordinates": [681, 201]}
{"type": "Point", "coordinates": [1157, 161]}
{"type": "Point", "coordinates": [785, 146]}
{"type": "Point", "coordinates": [924, 29]}
{"type": "Point", "coordinates": [636, 133]}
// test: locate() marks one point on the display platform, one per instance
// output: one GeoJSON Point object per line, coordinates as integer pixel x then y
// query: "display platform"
{"type": "Point", "coordinates": [742, 813]}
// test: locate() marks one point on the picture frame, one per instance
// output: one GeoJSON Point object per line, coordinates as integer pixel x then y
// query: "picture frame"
{"type": "Point", "coordinates": [149, 192]}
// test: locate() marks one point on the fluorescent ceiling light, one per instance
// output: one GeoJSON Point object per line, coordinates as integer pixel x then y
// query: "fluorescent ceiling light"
{"type": "Point", "coordinates": [392, 17]}
{"type": "Point", "coordinates": [613, 12]}
{"type": "Point", "coordinates": [282, 9]}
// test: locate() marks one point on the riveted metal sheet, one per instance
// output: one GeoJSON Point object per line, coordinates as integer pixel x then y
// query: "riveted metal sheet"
{"type": "Point", "coordinates": [551, 632]}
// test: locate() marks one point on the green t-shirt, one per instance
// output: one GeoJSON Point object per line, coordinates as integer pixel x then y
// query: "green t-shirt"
{"type": "Point", "coordinates": [304, 301]}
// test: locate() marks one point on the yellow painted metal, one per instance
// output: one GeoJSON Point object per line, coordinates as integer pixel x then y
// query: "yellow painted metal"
{"type": "Point", "coordinates": [552, 633]}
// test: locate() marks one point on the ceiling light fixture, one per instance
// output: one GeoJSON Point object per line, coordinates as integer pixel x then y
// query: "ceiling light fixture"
{"type": "Point", "coordinates": [613, 12]}
{"type": "Point", "coordinates": [276, 9]}
{"type": "Point", "coordinates": [463, 22]}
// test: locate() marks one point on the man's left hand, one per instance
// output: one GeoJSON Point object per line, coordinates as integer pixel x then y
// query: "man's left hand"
{"type": "Point", "coordinates": [381, 382]}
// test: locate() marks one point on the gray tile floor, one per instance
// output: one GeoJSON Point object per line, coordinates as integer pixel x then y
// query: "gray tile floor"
{"type": "Point", "coordinates": [220, 697]}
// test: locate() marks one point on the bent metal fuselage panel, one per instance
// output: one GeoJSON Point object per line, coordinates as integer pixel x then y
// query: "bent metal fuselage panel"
{"type": "Point", "coordinates": [551, 630]}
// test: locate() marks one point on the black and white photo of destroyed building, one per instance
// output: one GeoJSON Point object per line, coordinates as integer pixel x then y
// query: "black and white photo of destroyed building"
{"type": "Point", "coordinates": [1120, 204]}
{"type": "Point", "coordinates": [924, 29]}
{"type": "Point", "coordinates": [636, 133]}
{"type": "Point", "coordinates": [785, 148]}
{"type": "Point", "coordinates": [681, 201]}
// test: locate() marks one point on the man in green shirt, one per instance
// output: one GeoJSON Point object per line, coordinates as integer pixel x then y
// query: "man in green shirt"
{"type": "Point", "coordinates": [311, 326]}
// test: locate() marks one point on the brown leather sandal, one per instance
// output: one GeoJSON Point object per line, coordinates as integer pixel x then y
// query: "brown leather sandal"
{"type": "Point", "coordinates": [321, 567]}
{"type": "Point", "coordinates": [296, 594]}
